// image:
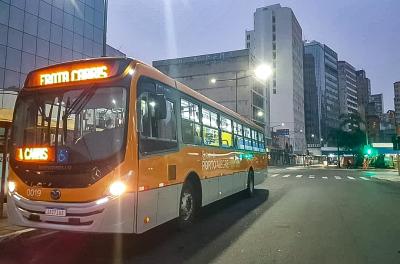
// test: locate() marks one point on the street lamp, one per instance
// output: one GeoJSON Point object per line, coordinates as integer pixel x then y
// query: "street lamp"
{"type": "Point", "coordinates": [262, 72]}
{"type": "Point", "coordinates": [260, 113]}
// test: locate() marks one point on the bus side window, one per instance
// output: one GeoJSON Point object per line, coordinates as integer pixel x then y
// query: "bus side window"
{"type": "Point", "coordinates": [157, 128]}
{"type": "Point", "coordinates": [191, 129]}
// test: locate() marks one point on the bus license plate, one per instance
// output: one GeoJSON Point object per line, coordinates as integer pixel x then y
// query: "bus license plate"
{"type": "Point", "coordinates": [56, 212]}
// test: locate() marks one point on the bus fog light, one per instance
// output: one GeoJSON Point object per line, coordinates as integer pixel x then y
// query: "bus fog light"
{"type": "Point", "coordinates": [11, 186]}
{"type": "Point", "coordinates": [117, 188]}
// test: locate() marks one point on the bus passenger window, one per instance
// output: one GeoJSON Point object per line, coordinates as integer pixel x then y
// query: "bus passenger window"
{"type": "Point", "coordinates": [191, 130]}
{"type": "Point", "coordinates": [226, 132]}
{"type": "Point", "coordinates": [158, 133]}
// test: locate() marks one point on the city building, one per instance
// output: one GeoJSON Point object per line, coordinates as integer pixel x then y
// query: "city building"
{"type": "Point", "coordinates": [372, 109]}
{"type": "Point", "coordinates": [373, 128]}
{"type": "Point", "coordinates": [363, 92]}
{"type": "Point", "coordinates": [388, 126]}
{"type": "Point", "coordinates": [277, 39]}
{"type": "Point", "coordinates": [347, 88]}
{"type": "Point", "coordinates": [378, 100]}
{"type": "Point", "coordinates": [228, 78]}
{"type": "Point", "coordinates": [397, 101]}
{"type": "Point", "coordinates": [37, 33]}
{"type": "Point", "coordinates": [321, 95]}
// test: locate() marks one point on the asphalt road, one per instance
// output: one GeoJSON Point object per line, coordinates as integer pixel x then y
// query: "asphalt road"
{"type": "Point", "coordinates": [312, 218]}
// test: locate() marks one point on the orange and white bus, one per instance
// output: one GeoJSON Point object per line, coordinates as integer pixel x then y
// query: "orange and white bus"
{"type": "Point", "coordinates": [113, 145]}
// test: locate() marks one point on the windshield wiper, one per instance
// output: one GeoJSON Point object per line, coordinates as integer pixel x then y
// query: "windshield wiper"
{"type": "Point", "coordinates": [76, 106]}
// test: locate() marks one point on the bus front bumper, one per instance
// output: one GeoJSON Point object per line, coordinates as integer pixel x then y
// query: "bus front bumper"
{"type": "Point", "coordinates": [106, 215]}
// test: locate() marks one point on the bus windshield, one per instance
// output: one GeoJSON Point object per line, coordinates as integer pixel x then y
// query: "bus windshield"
{"type": "Point", "coordinates": [75, 126]}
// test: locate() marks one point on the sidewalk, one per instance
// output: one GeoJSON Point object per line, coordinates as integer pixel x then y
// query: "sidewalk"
{"type": "Point", "coordinates": [388, 175]}
{"type": "Point", "coordinates": [7, 230]}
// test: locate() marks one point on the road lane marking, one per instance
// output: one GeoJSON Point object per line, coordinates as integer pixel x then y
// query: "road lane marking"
{"type": "Point", "coordinates": [351, 178]}
{"type": "Point", "coordinates": [274, 175]}
{"type": "Point", "coordinates": [365, 179]}
{"type": "Point", "coordinates": [324, 177]}
{"type": "Point", "coordinates": [338, 177]}
{"type": "Point", "coordinates": [311, 177]}
{"type": "Point", "coordinates": [299, 176]}
{"type": "Point", "coordinates": [285, 176]}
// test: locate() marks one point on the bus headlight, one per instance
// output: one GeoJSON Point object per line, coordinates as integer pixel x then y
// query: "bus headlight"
{"type": "Point", "coordinates": [117, 188]}
{"type": "Point", "coordinates": [11, 186]}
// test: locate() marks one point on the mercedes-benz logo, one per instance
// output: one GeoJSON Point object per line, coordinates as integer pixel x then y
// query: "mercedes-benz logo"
{"type": "Point", "coordinates": [55, 194]}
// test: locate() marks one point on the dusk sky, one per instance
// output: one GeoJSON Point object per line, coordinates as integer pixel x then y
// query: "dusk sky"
{"type": "Point", "coordinates": [365, 33]}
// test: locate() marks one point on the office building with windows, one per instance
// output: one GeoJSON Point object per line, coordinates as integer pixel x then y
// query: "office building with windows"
{"type": "Point", "coordinates": [276, 39]}
{"type": "Point", "coordinates": [347, 88]}
{"type": "Point", "coordinates": [321, 95]}
{"type": "Point", "coordinates": [377, 99]}
{"type": "Point", "coordinates": [227, 78]}
{"type": "Point", "coordinates": [363, 92]}
{"type": "Point", "coordinates": [37, 33]}
{"type": "Point", "coordinates": [397, 102]}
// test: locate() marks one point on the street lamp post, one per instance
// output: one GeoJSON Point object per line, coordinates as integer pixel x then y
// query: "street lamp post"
{"type": "Point", "coordinates": [262, 72]}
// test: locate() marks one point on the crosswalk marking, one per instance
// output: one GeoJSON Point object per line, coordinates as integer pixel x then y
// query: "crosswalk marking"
{"type": "Point", "coordinates": [311, 177]}
{"type": "Point", "coordinates": [351, 178]}
{"type": "Point", "coordinates": [365, 179]}
{"type": "Point", "coordinates": [285, 176]}
{"type": "Point", "coordinates": [299, 176]}
{"type": "Point", "coordinates": [274, 175]}
{"type": "Point", "coordinates": [338, 177]}
{"type": "Point", "coordinates": [324, 177]}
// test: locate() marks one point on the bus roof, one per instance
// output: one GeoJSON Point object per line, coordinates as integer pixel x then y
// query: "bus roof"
{"type": "Point", "coordinates": [33, 79]}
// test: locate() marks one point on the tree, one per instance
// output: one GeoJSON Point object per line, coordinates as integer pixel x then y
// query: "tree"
{"type": "Point", "coordinates": [349, 135]}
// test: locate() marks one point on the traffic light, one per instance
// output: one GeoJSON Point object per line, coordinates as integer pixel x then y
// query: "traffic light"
{"type": "Point", "coordinates": [369, 151]}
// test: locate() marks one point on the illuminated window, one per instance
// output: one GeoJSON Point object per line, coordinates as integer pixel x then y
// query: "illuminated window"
{"type": "Point", "coordinates": [226, 134]}
{"type": "Point", "coordinates": [209, 118]}
{"type": "Point", "coordinates": [191, 129]}
{"type": "Point", "coordinates": [237, 129]}
{"type": "Point", "coordinates": [226, 124]}
{"type": "Point", "coordinates": [210, 136]}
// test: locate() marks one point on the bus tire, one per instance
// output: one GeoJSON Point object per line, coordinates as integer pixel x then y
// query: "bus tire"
{"type": "Point", "coordinates": [250, 184]}
{"type": "Point", "coordinates": [187, 205]}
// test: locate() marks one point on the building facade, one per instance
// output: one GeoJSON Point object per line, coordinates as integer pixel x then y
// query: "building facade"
{"type": "Point", "coordinates": [378, 100]}
{"type": "Point", "coordinates": [277, 40]}
{"type": "Point", "coordinates": [321, 95]}
{"type": "Point", "coordinates": [347, 88]}
{"type": "Point", "coordinates": [397, 101]}
{"type": "Point", "coordinates": [37, 33]}
{"type": "Point", "coordinates": [227, 78]}
{"type": "Point", "coordinates": [363, 92]}
{"type": "Point", "coordinates": [388, 126]}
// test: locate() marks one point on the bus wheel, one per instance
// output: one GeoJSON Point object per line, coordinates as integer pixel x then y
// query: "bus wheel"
{"type": "Point", "coordinates": [187, 205]}
{"type": "Point", "coordinates": [250, 184]}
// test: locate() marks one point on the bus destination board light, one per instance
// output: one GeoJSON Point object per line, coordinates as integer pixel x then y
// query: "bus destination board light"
{"type": "Point", "coordinates": [74, 75]}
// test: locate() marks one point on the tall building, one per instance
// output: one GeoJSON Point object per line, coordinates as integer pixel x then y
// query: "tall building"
{"type": "Point", "coordinates": [378, 100]}
{"type": "Point", "coordinates": [277, 39]}
{"type": "Point", "coordinates": [37, 33]}
{"type": "Point", "coordinates": [387, 126]}
{"type": "Point", "coordinates": [227, 78]}
{"type": "Point", "coordinates": [321, 101]}
{"type": "Point", "coordinates": [397, 101]}
{"type": "Point", "coordinates": [347, 88]}
{"type": "Point", "coordinates": [363, 92]}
